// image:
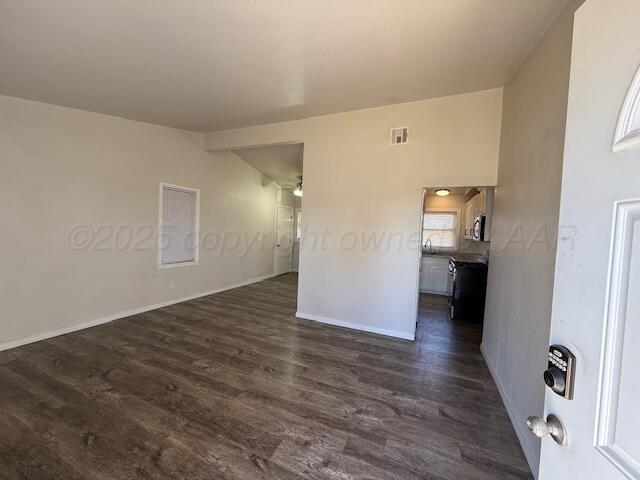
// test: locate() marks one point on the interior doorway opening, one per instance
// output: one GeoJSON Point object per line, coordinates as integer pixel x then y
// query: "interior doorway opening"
{"type": "Point", "coordinates": [282, 167]}
{"type": "Point", "coordinates": [455, 225]}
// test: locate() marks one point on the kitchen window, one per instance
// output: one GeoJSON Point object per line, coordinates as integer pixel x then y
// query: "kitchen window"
{"type": "Point", "coordinates": [441, 227]}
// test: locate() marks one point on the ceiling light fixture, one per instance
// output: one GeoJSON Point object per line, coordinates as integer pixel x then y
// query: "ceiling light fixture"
{"type": "Point", "coordinates": [443, 192]}
{"type": "Point", "coordinates": [298, 190]}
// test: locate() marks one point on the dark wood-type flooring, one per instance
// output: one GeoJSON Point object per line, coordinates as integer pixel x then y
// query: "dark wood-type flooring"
{"type": "Point", "coordinates": [232, 386]}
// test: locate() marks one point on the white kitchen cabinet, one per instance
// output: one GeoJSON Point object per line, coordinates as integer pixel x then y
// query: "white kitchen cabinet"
{"type": "Point", "coordinates": [469, 218]}
{"type": "Point", "coordinates": [480, 204]}
{"type": "Point", "coordinates": [434, 275]}
{"type": "Point", "coordinates": [424, 279]}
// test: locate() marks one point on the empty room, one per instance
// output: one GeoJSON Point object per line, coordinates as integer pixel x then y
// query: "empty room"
{"type": "Point", "coordinates": [337, 239]}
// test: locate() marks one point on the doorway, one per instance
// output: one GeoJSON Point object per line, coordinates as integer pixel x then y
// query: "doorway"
{"type": "Point", "coordinates": [455, 225]}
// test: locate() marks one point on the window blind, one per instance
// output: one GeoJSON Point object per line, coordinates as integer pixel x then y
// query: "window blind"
{"type": "Point", "coordinates": [178, 243]}
{"type": "Point", "coordinates": [440, 228]}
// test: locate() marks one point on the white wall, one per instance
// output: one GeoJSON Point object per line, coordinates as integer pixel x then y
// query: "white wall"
{"type": "Point", "coordinates": [61, 168]}
{"type": "Point", "coordinates": [354, 181]}
{"type": "Point", "coordinates": [525, 219]}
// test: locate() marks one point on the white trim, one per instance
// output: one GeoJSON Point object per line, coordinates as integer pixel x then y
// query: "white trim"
{"type": "Point", "coordinates": [356, 326]}
{"type": "Point", "coordinates": [116, 316]}
{"type": "Point", "coordinates": [627, 134]}
{"type": "Point", "coordinates": [177, 264]}
{"type": "Point", "coordinates": [423, 195]}
{"type": "Point", "coordinates": [517, 420]}
{"type": "Point", "coordinates": [625, 214]}
{"type": "Point", "coordinates": [296, 211]}
{"type": "Point", "coordinates": [275, 260]}
{"type": "Point", "coordinates": [196, 255]}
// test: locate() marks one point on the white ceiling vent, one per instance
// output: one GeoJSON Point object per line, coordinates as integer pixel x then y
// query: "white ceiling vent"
{"type": "Point", "coordinates": [399, 135]}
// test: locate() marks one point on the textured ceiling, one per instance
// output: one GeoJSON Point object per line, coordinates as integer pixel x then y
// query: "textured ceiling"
{"type": "Point", "coordinates": [209, 65]}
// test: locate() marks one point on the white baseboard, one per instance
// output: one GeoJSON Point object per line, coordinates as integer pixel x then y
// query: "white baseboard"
{"type": "Point", "coordinates": [356, 326]}
{"type": "Point", "coordinates": [100, 321]}
{"type": "Point", "coordinates": [522, 432]}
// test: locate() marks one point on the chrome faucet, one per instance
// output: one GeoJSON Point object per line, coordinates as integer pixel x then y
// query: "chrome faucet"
{"type": "Point", "coordinates": [430, 251]}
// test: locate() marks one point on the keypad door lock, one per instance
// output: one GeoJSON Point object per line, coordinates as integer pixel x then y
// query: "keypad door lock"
{"type": "Point", "coordinates": [560, 371]}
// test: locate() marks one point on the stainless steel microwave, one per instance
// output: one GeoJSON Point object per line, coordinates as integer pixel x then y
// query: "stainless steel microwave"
{"type": "Point", "coordinates": [478, 232]}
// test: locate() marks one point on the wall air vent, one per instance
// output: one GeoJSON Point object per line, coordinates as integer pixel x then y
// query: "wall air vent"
{"type": "Point", "coordinates": [399, 136]}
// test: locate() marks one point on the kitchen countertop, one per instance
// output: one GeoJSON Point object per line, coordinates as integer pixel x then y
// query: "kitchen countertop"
{"type": "Point", "coordinates": [437, 254]}
{"type": "Point", "coordinates": [461, 257]}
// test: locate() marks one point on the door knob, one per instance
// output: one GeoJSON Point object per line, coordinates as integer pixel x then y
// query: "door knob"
{"type": "Point", "coordinates": [553, 426]}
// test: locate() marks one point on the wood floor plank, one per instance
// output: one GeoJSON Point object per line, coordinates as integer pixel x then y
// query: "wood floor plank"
{"type": "Point", "coordinates": [232, 386]}
{"type": "Point", "coordinates": [197, 405]}
{"type": "Point", "coordinates": [24, 456]}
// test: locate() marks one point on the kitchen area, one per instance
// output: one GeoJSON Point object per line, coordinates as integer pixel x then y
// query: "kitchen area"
{"type": "Point", "coordinates": [456, 235]}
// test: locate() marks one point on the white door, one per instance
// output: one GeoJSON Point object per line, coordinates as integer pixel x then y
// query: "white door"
{"type": "Point", "coordinates": [596, 304]}
{"type": "Point", "coordinates": [284, 240]}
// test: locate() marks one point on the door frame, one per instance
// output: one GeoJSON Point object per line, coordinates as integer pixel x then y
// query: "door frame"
{"type": "Point", "coordinates": [275, 258]}
{"type": "Point", "coordinates": [423, 194]}
{"type": "Point", "coordinates": [296, 240]}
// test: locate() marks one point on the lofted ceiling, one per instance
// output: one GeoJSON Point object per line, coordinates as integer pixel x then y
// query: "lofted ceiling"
{"type": "Point", "coordinates": [280, 163]}
{"type": "Point", "coordinates": [209, 65]}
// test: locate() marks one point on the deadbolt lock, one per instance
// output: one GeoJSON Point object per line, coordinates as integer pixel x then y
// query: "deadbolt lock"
{"type": "Point", "coordinates": [560, 372]}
